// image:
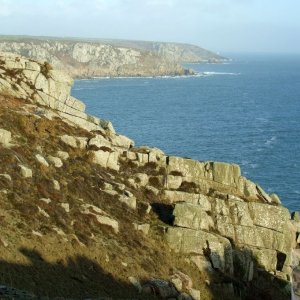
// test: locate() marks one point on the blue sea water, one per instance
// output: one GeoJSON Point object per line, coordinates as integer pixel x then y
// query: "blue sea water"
{"type": "Point", "coordinates": [246, 111]}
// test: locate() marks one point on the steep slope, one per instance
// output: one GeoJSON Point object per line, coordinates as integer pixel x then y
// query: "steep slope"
{"type": "Point", "coordinates": [93, 59]}
{"type": "Point", "coordinates": [85, 214]}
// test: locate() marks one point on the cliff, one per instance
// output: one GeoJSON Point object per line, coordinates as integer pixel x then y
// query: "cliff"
{"type": "Point", "coordinates": [93, 58]}
{"type": "Point", "coordinates": [85, 214]}
{"type": "Point", "coordinates": [182, 53]}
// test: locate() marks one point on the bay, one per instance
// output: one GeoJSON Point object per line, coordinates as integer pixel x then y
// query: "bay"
{"type": "Point", "coordinates": [246, 111]}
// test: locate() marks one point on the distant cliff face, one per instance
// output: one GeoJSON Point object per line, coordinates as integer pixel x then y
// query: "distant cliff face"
{"type": "Point", "coordinates": [89, 59]}
{"type": "Point", "coordinates": [182, 53]}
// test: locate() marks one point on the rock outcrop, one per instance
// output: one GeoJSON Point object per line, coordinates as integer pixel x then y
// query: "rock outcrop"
{"type": "Point", "coordinates": [164, 225]}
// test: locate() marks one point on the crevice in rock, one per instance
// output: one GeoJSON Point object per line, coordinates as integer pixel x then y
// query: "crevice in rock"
{"type": "Point", "coordinates": [164, 212]}
{"type": "Point", "coordinates": [281, 258]}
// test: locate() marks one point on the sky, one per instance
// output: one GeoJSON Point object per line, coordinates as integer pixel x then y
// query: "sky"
{"type": "Point", "coordinates": [270, 26]}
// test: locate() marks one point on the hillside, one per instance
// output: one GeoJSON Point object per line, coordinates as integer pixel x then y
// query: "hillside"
{"type": "Point", "coordinates": [93, 58]}
{"type": "Point", "coordinates": [87, 215]}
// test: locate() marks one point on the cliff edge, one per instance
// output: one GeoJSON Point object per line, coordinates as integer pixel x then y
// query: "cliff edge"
{"type": "Point", "coordinates": [85, 214]}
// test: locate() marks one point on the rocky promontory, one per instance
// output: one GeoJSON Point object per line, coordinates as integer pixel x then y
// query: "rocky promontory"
{"type": "Point", "coordinates": [86, 214]}
{"type": "Point", "coordinates": [85, 59]}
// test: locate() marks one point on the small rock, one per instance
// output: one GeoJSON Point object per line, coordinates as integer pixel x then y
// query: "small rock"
{"type": "Point", "coordinates": [135, 282]}
{"type": "Point", "coordinates": [129, 201]}
{"type": "Point", "coordinates": [111, 192]}
{"type": "Point", "coordinates": [56, 161]}
{"type": "Point", "coordinates": [195, 294]}
{"type": "Point", "coordinates": [41, 160]}
{"type": "Point", "coordinates": [5, 137]}
{"type": "Point", "coordinates": [56, 185]}
{"type": "Point", "coordinates": [142, 227]}
{"type": "Point", "coordinates": [152, 189]}
{"type": "Point", "coordinates": [25, 172]}
{"type": "Point", "coordinates": [132, 183]}
{"type": "Point", "coordinates": [107, 186]}
{"type": "Point", "coordinates": [275, 199]}
{"type": "Point", "coordinates": [120, 186]}
{"type": "Point", "coordinates": [141, 179]}
{"type": "Point", "coordinates": [69, 140]}
{"type": "Point", "coordinates": [3, 242]}
{"type": "Point", "coordinates": [124, 264]}
{"type": "Point", "coordinates": [173, 182]}
{"type": "Point", "coordinates": [187, 282]}
{"type": "Point", "coordinates": [296, 216]}
{"type": "Point", "coordinates": [63, 155]}
{"type": "Point", "coordinates": [177, 283]}
{"type": "Point", "coordinates": [66, 207]}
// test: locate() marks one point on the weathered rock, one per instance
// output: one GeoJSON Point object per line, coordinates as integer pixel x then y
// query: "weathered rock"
{"type": "Point", "coordinates": [224, 173]}
{"type": "Point", "coordinates": [144, 228]}
{"type": "Point", "coordinates": [56, 185]}
{"type": "Point", "coordinates": [152, 190]}
{"type": "Point", "coordinates": [192, 216]}
{"type": "Point", "coordinates": [263, 194]}
{"type": "Point", "coordinates": [25, 172]}
{"type": "Point", "coordinates": [129, 200]}
{"type": "Point", "coordinates": [62, 155]}
{"type": "Point", "coordinates": [186, 281]}
{"type": "Point", "coordinates": [69, 140]}
{"type": "Point", "coordinates": [101, 216]}
{"type": "Point", "coordinates": [195, 294]}
{"type": "Point", "coordinates": [5, 137]}
{"type": "Point", "coordinates": [106, 159]}
{"type": "Point", "coordinates": [122, 141]}
{"type": "Point", "coordinates": [173, 182]}
{"type": "Point", "coordinates": [142, 179]}
{"type": "Point", "coordinates": [135, 282]}
{"type": "Point", "coordinates": [66, 207]}
{"type": "Point", "coordinates": [41, 160]}
{"type": "Point", "coordinates": [56, 161]}
{"type": "Point", "coordinates": [99, 141]}
{"type": "Point", "coordinates": [196, 199]}
{"type": "Point", "coordinates": [190, 241]}
{"type": "Point", "coordinates": [275, 199]}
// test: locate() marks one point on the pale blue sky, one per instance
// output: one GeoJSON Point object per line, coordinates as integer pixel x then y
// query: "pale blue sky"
{"type": "Point", "coordinates": [219, 25]}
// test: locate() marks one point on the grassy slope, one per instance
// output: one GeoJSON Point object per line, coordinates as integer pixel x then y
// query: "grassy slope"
{"type": "Point", "coordinates": [87, 260]}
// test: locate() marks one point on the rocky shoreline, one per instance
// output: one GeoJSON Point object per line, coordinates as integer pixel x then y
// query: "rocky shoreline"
{"type": "Point", "coordinates": [157, 226]}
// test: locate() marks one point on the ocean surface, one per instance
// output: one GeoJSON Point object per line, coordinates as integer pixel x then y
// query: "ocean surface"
{"type": "Point", "coordinates": [246, 111]}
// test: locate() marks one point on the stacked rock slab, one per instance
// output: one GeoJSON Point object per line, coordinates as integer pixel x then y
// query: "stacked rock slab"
{"type": "Point", "coordinates": [229, 220]}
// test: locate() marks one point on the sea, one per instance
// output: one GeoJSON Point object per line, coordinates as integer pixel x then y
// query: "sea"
{"type": "Point", "coordinates": [244, 111]}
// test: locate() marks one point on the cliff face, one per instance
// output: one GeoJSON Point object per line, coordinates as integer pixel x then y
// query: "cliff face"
{"type": "Point", "coordinates": [183, 53]}
{"type": "Point", "coordinates": [89, 59]}
{"type": "Point", "coordinates": [94, 216]}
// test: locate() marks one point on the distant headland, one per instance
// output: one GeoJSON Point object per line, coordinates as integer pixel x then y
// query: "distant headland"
{"type": "Point", "coordinates": [86, 58]}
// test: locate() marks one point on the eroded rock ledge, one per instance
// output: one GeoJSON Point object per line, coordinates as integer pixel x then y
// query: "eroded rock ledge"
{"type": "Point", "coordinates": [208, 213]}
